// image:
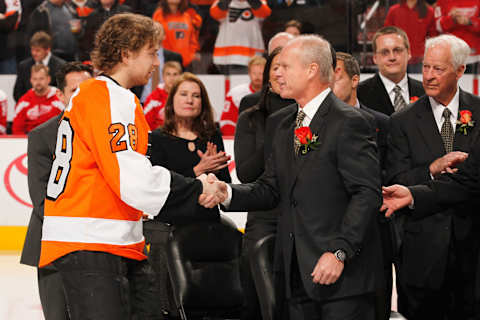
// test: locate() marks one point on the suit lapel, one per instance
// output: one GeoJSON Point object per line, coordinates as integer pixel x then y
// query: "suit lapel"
{"type": "Point", "coordinates": [317, 126]}
{"type": "Point", "coordinates": [428, 127]}
{"type": "Point", "coordinates": [461, 141]}
{"type": "Point", "coordinates": [382, 95]}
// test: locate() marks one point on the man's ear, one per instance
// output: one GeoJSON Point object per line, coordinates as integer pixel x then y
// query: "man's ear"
{"type": "Point", "coordinates": [313, 70]}
{"type": "Point", "coordinates": [126, 55]}
{"type": "Point", "coordinates": [355, 81]}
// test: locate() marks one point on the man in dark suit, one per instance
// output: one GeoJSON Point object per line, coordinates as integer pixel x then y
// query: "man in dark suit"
{"type": "Point", "coordinates": [40, 48]}
{"type": "Point", "coordinates": [41, 148]}
{"type": "Point", "coordinates": [347, 77]}
{"type": "Point", "coordinates": [390, 89]}
{"type": "Point", "coordinates": [328, 192]}
{"type": "Point", "coordinates": [439, 253]}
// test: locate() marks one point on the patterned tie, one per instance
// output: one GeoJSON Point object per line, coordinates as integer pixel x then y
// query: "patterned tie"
{"type": "Point", "coordinates": [298, 123]}
{"type": "Point", "coordinates": [399, 102]}
{"type": "Point", "coordinates": [447, 131]}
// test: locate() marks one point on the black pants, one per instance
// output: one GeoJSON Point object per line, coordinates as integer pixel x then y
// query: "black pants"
{"type": "Point", "coordinates": [302, 307]}
{"type": "Point", "coordinates": [100, 285]}
{"type": "Point", "coordinates": [52, 296]}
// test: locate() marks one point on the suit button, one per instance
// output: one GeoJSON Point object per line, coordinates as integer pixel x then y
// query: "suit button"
{"type": "Point", "coordinates": [293, 203]}
{"type": "Point", "coordinates": [290, 235]}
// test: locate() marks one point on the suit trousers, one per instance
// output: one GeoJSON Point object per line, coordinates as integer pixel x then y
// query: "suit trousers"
{"type": "Point", "coordinates": [52, 296]}
{"type": "Point", "coordinates": [454, 300]}
{"type": "Point", "coordinates": [301, 306]}
{"type": "Point", "coordinates": [100, 285]}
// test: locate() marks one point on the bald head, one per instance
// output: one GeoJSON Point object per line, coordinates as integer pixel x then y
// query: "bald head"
{"type": "Point", "coordinates": [279, 40]}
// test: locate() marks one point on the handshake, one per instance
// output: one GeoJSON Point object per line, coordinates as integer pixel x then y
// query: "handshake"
{"type": "Point", "coordinates": [214, 191]}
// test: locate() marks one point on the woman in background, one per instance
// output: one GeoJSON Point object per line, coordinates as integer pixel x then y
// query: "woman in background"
{"type": "Point", "coordinates": [190, 144]}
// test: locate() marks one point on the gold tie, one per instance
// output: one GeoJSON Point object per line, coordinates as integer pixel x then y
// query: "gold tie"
{"type": "Point", "coordinates": [298, 123]}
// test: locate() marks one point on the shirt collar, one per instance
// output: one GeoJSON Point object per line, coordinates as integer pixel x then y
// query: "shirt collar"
{"type": "Point", "coordinates": [357, 104]}
{"type": "Point", "coordinates": [47, 59]}
{"type": "Point", "coordinates": [312, 106]}
{"type": "Point", "coordinates": [389, 84]}
{"type": "Point", "coordinates": [453, 106]}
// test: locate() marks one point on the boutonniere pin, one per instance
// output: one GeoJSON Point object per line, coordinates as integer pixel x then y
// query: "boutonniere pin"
{"type": "Point", "coordinates": [413, 99]}
{"type": "Point", "coordinates": [465, 122]}
{"type": "Point", "coordinates": [308, 141]}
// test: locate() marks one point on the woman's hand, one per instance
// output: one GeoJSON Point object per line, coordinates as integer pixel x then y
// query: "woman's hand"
{"type": "Point", "coordinates": [211, 160]}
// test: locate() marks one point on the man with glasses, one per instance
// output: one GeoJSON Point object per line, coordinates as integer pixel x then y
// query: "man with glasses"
{"type": "Point", "coordinates": [390, 89]}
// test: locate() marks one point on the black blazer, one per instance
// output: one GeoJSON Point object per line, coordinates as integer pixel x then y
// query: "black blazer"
{"type": "Point", "coordinates": [40, 151]}
{"type": "Point", "coordinates": [22, 83]}
{"type": "Point", "coordinates": [413, 144]}
{"type": "Point", "coordinates": [249, 100]}
{"type": "Point", "coordinates": [328, 197]}
{"type": "Point", "coordinates": [372, 93]}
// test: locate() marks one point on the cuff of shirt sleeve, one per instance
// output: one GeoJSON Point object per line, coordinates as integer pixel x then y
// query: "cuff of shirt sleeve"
{"type": "Point", "coordinates": [227, 201]}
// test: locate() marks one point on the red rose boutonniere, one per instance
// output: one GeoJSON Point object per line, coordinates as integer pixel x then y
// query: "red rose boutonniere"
{"type": "Point", "coordinates": [413, 99]}
{"type": "Point", "coordinates": [465, 122]}
{"type": "Point", "coordinates": [306, 139]}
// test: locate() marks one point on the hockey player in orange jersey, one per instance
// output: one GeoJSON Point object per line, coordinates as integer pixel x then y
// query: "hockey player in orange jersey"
{"type": "Point", "coordinates": [101, 182]}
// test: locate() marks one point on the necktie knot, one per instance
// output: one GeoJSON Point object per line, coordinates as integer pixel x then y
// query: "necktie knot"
{"type": "Point", "coordinates": [397, 89]}
{"type": "Point", "coordinates": [446, 114]}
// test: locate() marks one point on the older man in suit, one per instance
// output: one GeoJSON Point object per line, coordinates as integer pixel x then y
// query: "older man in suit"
{"type": "Point", "coordinates": [40, 48]}
{"type": "Point", "coordinates": [328, 188]}
{"type": "Point", "coordinates": [390, 89]}
{"type": "Point", "coordinates": [41, 148]}
{"type": "Point", "coordinates": [439, 253]}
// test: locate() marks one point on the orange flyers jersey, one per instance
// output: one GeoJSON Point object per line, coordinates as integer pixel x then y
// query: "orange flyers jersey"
{"type": "Point", "coordinates": [101, 181]}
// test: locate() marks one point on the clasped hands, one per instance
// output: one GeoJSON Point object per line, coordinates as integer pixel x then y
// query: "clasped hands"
{"type": "Point", "coordinates": [214, 191]}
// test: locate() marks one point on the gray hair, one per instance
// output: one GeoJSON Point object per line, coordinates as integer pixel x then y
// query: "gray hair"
{"type": "Point", "coordinates": [286, 35]}
{"type": "Point", "coordinates": [315, 49]}
{"type": "Point", "coordinates": [459, 49]}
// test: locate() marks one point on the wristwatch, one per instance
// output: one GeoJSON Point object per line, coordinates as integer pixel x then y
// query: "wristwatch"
{"type": "Point", "coordinates": [340, 255]}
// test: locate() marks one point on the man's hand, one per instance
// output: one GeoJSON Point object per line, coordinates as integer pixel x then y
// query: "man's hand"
{"type": "Point", "coordinates": [447, 163]}
{"type": "Point", "coordinates": [394, 198]}
{"type": "Point", "coordinates": [214, 191]}
{"type": "Point", "coordinates": [327, 270]}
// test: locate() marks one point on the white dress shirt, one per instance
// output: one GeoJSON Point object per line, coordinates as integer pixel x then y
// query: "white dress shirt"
{"type": "Point", "coordinates": [390, 85]}
{"type": "Point", "coordinates": [453, 106]}
{"type": "Point", "coordinates": [46, 60]}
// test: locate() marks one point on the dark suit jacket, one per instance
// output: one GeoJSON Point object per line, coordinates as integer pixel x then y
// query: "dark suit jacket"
{"type": "Point", "coordinates": [249, 100]}
{"type": "Point", "coordinates": [414, 143]}
{"type": "Point", "coordinates": [22, 83]}
{"type": "Point", "coordinates": [167, 56]}
{"type": "Point", "coordinates": [328, 198]}
{"type": "Point", "coordinates": [41, 148]}
{"type": "Point", "coordinates": [372, 93]}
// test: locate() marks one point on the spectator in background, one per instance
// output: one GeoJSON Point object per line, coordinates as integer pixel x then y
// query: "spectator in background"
{"type": "Point", "coordinates": [415, 17]}
{"type": "Point", "coordinates": [105, 10]}
{"type": "Point", "coordinates": [40, 49]}
{"type": "Point", "coordinates": [293, 27]}
{"type": "Point", "coordinates": [164, 56]}
{"type": "Point", "coordinates": [251, 140]}
{"type": "Point", "coordinates": [251, 99]}
{"type": "Point", "coordinates": [462, 19]}
{"type": "Point", "coordinates": [39, 103]}
{"type": "Point", "coordinates": [189, 144]}
{"type": "Point", "coordinates": [182, 26]}
{"type": "Point", "coordinates": [154, 104]}
{"type": "Point", "coordinates": [10, 14]}
{"type": "Point", "coordinates": [59, 19]}
{"type": "Point", "coordinates": [240, 36]}
{"type": "Point", "coordinates": [390, 89]}
{"type": "Point", "coordinates": [3, 112]}
{"type": "Point", "coordinates": [83, 8]}
{"type": "Point", "coordinates": [229, 116]}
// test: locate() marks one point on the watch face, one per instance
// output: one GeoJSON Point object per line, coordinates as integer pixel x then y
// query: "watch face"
{"type": "Point", "coordinates": [341, 255]}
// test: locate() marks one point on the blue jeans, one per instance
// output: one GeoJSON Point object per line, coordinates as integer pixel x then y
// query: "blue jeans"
{"type": "Point", "coordinates": [100, 285]}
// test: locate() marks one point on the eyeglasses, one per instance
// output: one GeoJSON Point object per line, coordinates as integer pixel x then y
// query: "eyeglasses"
{"type": "Point", "coordinates": [396, 51]}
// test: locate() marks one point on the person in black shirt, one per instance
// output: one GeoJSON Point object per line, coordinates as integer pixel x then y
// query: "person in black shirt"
{"type": "Point", "coordinates": [190, 144]}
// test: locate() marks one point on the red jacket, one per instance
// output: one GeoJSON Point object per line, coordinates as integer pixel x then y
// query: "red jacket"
{"type": "Point", "coordinates": [446, 24]}
{"type": "Point", "coordinates": [154, 107]}
{"type": "Point", "coordinates": [3, 112]}
{"type": "Point", "coordinates": [32, 110]}
{"type": "Point", "coordinates": [417, 29]}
